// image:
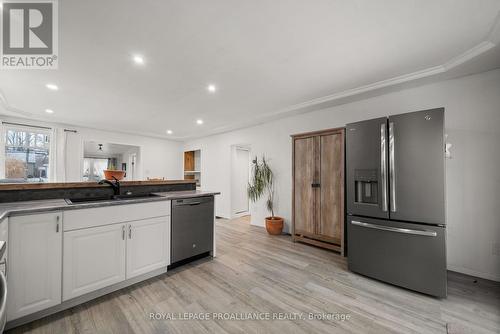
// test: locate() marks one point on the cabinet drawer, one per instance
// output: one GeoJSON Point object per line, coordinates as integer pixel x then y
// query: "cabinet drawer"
{"type": "Point", "coordinates": [84, 218]}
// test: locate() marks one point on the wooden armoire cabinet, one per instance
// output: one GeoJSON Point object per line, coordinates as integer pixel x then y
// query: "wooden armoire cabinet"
{"type": "Point", "coordinates": [318, 188]}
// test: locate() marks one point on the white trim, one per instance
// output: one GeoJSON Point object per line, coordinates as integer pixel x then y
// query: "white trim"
{"type": "Point", "coordinates": [468, 55]}
{"type": "Point", "coordinates": [234, 148]}
{"type": "Point", "coordinates": [494, 33]}
{"type": "Point", "coordinates": [5, 107]}
{"type": "Point", "coordinates": [474, 273]}
{"type": "Point", "coordinates": [491, 40]}
{"type": "Point", "coordinates": [2, 153]}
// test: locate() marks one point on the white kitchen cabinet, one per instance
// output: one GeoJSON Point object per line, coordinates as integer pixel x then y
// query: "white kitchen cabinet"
{"type": "Point", "coordinates": [93, 258]}
{"type": "Point", "coordinates": [148, 245]}
{"type": "Point", "coordinates": [34, 267]}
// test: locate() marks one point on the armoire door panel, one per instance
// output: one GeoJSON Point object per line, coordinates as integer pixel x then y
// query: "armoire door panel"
{"type": "Point", "coordinates": [304, 173]}
{"type": "Point", "coordinates": [317, 184]}
{"type": "Point", "coordinates": [332, 187]}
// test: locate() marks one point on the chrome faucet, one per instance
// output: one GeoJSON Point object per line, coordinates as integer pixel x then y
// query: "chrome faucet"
{"type": "Point", "coordinates": [115, 185]}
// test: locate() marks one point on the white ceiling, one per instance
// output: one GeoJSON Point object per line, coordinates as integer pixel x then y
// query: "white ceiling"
{"type": "Point", "coordinates": [266, 57]}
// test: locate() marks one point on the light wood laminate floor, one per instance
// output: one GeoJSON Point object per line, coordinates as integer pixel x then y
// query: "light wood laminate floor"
{"type": "Point", "coordinates": [255, 272]}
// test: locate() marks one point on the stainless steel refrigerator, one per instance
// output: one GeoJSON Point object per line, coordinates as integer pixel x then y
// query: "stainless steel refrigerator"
{"type": "Point", "coordinates": [395, 174]}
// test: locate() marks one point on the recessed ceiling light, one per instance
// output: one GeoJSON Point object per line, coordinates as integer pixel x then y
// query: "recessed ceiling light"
{"type": "Point", "coordinates": [169, 132]}
{"type": "Point", "coordinates": [138, 59]}
{"type": "Point", "coordinates": [52, 86]}
{"type": "Point", "coordinates": [199, 121]}
{"type": "Point", "coordinates": [212, 88]}
{"type": "Point", "coordinates": [49, 111]}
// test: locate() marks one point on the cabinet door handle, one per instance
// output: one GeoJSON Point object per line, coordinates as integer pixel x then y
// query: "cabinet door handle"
{"type": "Point", "coordinates": [123, 232]}
{"type": "Point", "coordinates": [315, 185]}
{"type": "Point", "coordinates": [130, 231]}
{"type": "Point", "coordinates": [57, 224]}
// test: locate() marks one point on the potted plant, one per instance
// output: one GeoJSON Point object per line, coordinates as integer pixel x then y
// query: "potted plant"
{"type": "Point", "coordinates": [262, 182]}
{"type": "Point", "coordinates": [112, 173]}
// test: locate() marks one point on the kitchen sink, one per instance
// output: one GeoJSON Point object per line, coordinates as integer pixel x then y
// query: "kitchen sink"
{"type": "Point", "coordinates": [108, 198]}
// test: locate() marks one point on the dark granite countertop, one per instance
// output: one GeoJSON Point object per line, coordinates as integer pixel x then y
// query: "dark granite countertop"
{"type": "Point", "coordinates": [27, 207]}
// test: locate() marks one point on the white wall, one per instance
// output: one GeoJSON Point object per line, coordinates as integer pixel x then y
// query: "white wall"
{"type": "Point", "coordinates": [472, 115]}
{"type": "Point", "coordinates": [157, 158]}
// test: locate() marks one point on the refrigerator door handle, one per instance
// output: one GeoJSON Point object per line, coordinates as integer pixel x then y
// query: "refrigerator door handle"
{"type": "Point", "coordinates": [395, 229]}
{"type": "Point", "coordinates": [383, 165]}
{"type": "Point", "coordinates": [392, 172]}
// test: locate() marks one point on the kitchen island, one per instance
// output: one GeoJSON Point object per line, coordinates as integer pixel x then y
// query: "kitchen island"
{"type": "Point", "coordinates": [62, 253]}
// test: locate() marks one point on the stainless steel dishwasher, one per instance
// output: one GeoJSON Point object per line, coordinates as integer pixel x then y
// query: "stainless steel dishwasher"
{"type": "Point", "coordinates": [192, 227]}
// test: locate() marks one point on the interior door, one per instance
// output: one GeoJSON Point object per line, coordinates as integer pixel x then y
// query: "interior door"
{"type": "Point", "coordinates": [416, 159]}
{"type": "Point", "coordinates": [240, 172]}
{"type": "Point", "coordinates": [366, 168]}
{"type": "Point", "coordinates": [148, 245]}
{"type": "Point", "coordinates": [331, 187]}
{"type": "Point", "coordinates": [304, 193]}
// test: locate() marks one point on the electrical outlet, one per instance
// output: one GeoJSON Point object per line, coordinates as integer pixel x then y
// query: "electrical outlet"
{"type": "Point", "coordinates": [496, 248]}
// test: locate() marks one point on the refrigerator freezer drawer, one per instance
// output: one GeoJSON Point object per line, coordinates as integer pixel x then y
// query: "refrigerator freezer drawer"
{"type": "Point", "coordinates": [409, 255]}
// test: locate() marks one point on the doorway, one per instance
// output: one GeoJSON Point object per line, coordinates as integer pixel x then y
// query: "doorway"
{"type": "Point", "coordinates": [132, 163]}
{"type": "Point", "coordinates": [99, 156]}
{"type": "Point", "coordinates": [240, 172]}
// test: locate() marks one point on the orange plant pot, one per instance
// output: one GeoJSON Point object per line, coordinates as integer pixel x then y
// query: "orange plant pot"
{"type": "Point", "coordinates": [274, 225]}
{"type": "Point", "coordinates": [119, 174]}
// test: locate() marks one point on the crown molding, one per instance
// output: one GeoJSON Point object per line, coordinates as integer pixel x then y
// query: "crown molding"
{"type": "Point", "coordinates": [491, 40]}
{"type": "Point", "coordinates": [494, 34]}
{"type": "Point", "coordinates": [5, 108]}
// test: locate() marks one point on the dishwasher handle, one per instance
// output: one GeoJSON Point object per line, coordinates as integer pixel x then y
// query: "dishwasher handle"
{"type": "Point", "coordinates": [189, 204]}
{"type": "Point", "coordinates": [193, 201]}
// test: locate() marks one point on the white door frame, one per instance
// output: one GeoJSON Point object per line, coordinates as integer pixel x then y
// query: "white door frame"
{"type": "Point", "coordinates": [234, 148]}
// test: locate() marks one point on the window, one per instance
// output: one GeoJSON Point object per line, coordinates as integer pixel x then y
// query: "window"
{"type": "Point", "coordinates": [26, 154]}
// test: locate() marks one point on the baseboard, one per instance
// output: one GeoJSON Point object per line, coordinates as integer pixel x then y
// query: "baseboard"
{"type": "Point", "coordinates": [240, 214]}
{"type": "Point", "coordinates": [474, 273]}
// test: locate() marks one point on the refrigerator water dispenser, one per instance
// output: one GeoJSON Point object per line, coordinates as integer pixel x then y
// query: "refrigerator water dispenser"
{"type": "Point", "coordinates": [366, 186]}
